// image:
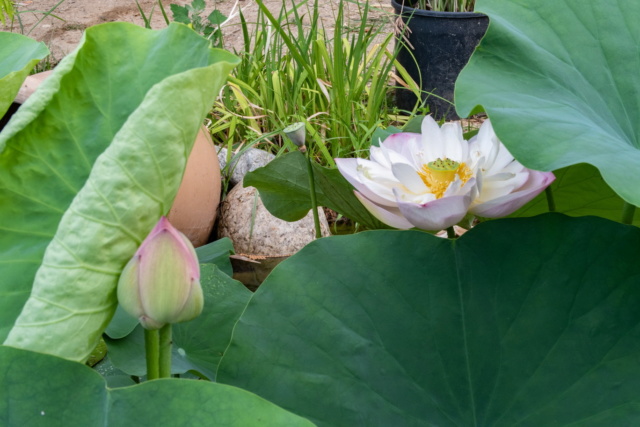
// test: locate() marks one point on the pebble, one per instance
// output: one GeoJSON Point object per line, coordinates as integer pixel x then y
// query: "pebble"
{"type": "Point", "coordinates": [248, 161]}
{"type": "Point", "coordinates": [254, 231]}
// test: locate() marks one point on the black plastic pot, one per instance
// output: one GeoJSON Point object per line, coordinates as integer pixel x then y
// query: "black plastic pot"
{"type": "Point", "coordinates": [442, 45]}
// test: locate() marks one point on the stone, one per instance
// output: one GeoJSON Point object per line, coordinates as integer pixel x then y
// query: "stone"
{"type": "Point", "coordinates": [246, 162]}
{"type": "Point", "coordinates": [268, 236]}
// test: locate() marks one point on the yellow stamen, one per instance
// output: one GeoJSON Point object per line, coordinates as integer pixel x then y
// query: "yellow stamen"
{"type": "Point", "coordinates": [439, 174]}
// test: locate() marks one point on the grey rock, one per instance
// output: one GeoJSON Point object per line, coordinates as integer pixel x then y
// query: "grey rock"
{"type": "Point", "coordinates": [248, 161]}
{"type": "Point", "coordinates": [254, 231]}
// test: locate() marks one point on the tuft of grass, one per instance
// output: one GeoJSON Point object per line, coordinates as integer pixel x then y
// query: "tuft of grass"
{"type": "Point", "coordinates": [7, 11]}
{"type": "Point", "coordinates": [16, 18]}
{"type": "Point", "coordinates": [46, 64]}
{"type": "Point", "coordinates": [293, 71]}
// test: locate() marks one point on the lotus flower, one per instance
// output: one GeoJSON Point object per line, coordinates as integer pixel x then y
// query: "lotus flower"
{"type": "Point", "coordinates": [161, 283]}
{"type": "Point", "coordinates": [432, 180]}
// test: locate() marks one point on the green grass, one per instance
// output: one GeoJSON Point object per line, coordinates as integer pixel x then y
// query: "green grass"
{"type": "Point", "coordinates": [16, 18]}
{"type": "Point", "coordinates": [7, 11]}
{"type": "Point", "coordinates": [293, 70]}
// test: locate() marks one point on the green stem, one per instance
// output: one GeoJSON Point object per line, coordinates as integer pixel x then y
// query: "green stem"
{"type": "Point", "coordinates": [165, 351]}
{"type": "Point", "coordinates": [451, 232]}
{"type": "Point", "coordinates": [628, 210]}
{"type": "Point", "coordinates": [164, 13]}
{"type": "Point", "coordinates": [550, 201]}
{"type": "Point", "coordinates": [314, 202]}
{"type": "Point", "coordinates": [151, 344]}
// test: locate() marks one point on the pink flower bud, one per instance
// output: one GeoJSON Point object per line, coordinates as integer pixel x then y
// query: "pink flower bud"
{"type": "Point", "coordinates": [161, 283]}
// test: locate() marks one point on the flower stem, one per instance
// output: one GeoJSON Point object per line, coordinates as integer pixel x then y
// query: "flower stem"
{"type": "Point", "coordinates": [314, 202]}
{"type": "Point", "coordinates": [151, 344]}
{"type": "Point", "coordinates": [165, 351]}
{"type": "Point", "coordinates": [451, 232]}
{"type": "Point", "coordinates": [550, 201]}
{"type": "Point", "coordinates": [628, 210]}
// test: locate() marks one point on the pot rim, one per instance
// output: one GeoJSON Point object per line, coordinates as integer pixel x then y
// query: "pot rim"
{"type": "Point", "coordinates": [407, 11]}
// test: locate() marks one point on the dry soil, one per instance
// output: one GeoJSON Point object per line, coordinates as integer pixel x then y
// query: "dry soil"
{"type": "Point", "coordinates": [63, 29]}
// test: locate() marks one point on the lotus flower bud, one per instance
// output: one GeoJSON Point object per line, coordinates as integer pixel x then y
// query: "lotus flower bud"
{"type": "Point", "coordinates": [296, 133]}
{"type": "Point", "coordinates": [161, 283]}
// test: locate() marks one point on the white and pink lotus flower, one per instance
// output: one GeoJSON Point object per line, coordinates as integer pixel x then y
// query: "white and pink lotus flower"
{"type": "Point", "coordinates": [434, 179]}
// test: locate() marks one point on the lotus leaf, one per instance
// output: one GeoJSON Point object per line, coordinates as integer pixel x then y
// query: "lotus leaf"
{"type": "Point", "coordinates": [18, 56]}
{"type": "Point", "coordinates": [87, 166]}
{"type": "Point", "coordinates": [526, 321]}
{"type": "Point", "coordinates": [561, 85]}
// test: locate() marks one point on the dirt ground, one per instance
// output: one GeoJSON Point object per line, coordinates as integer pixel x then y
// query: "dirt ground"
{"type": "Point", "coordinates": [63, 32]}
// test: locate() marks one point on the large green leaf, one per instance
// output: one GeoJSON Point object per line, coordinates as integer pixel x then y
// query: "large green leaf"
{"type": "Point", "coordinates": [198, 344]}
{"type": "Point", "coordinates": [579, 190]}
{"type": "Point", "coordinates": [528, 322]}
{"type": "Point", "coordinates": [87, 166]}
{"type": "Point", "coordinates": [217, 252]}
{"type": "Point", "coordinates": [18, 56]}
{"type": "Point", "coordinates": [284, 189]}
{"type": "Point", "coordinates": [42, 390]}
{"type": "Point", "coordinates": [560, 81]}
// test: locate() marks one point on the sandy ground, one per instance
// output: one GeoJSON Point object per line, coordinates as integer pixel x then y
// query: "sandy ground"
{"type": "Point", "coordinates": [63, 32]}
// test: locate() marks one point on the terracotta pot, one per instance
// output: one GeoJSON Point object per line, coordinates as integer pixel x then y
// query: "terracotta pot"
{"type": "Point", "coordinates": [194, 208]}
{"type": "Point", "coordinates": [196, 204]}
{"type": "Point", "coordinates": [30, 85]}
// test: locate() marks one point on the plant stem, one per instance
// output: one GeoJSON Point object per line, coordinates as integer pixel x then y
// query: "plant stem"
{"type": "Point", "coordinates": [164, 13]}
{"type": "Point", "coordinates": [550, 201]}
{"type": "Point", "coordinates": [165, 351]}
{"type": "Point", "coordinates": [451, 232]}
{"type": "Point", "coordinates": [44, 15]}
{"type": "Point", "coordinates": [628, 210]}
{"type": "Point", "coordinates": [151, 344]}
{"type": "Point", "coordinates": [314, 202]}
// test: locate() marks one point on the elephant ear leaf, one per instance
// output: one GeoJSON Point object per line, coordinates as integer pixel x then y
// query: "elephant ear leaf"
{"type": "Point", "coordinates": [87, 166]}
{"type": "Point", "coordinates": [284, 189]}
{"type": "Point", "coordinates": [402, 328]}
{"type": "Point", "coordinates": [49, 391]}
{"type": "Point", "coordinates": [560, 82]}
{"type": "Point", "coordinates": [18, 56]}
